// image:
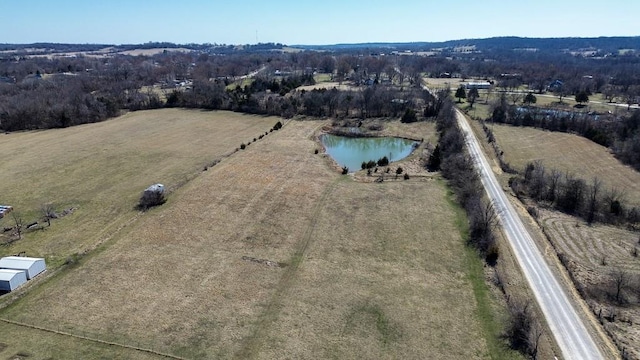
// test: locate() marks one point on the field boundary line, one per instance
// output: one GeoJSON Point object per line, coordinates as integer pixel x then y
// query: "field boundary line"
{"type": "Point", "coordinates": [58, 332]}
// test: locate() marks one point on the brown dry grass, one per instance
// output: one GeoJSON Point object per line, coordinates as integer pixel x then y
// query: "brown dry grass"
{"type": "Point", "coordinates": [592, 252]}
{"type": "Point", "coordinates": [102, 168]}
{"type": "Point", "coordinates": [567, 152]}
{"type": "Point", "coordinates": [32, 343]}
{"type": "Point", "coordinates": [376, 278]}
{"type": "Point", "coordinates": [373, 270]}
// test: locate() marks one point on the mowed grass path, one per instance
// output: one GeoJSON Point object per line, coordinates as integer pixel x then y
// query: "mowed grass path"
{"type": "Point", "coordinates": [568, 153]}
{"type": "Point", "coordinates": [372, 270]}
{"type": "Point", "coordinates": [101, 169]}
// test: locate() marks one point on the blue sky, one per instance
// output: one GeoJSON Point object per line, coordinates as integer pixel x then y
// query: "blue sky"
{"type": "Point", "coordinates": [308, 22]}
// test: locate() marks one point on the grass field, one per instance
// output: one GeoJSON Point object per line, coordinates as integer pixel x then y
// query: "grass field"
{"type": "Point", "coordinates": [322, 77]}
{"type": "Point", "coordinates": [101, 169]}
{"type": "Point", "coordinates": [270, 252]}
{"type": "Point", "coordinates": [567, 152]}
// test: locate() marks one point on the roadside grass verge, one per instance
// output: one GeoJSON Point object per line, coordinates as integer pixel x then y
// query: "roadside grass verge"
{"type": "Point", "coordinates": [490, 310]}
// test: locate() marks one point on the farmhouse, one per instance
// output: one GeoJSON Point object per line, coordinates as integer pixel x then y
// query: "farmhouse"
{"type": "Point", "coordinates": [31, 266]}
{"type": "Point", "coordinates": [11, 279]}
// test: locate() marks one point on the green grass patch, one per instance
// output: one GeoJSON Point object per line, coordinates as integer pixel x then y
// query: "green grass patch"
{"type": "Point", "coordinates": [372, 316]}
{"type": "Point", "coordinates": [322, 78]}
{"type": "Point", "coordinates": [242, 83]}
{"type": "Point", "coordinates": [486, 311]}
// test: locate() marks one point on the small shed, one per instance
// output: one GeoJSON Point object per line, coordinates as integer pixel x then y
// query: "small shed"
{"type": "Point", "coordinates": [31, 266]}
{"type": "Point", "coordinates": [11, 279]}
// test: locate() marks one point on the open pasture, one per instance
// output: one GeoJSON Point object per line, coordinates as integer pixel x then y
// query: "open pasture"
{"type": "Point", "coordinates": [568, 153]}
{"type": "Point", "coordinates": [272, 252]}
{"type": "Point", "coordinates": [99, 170]}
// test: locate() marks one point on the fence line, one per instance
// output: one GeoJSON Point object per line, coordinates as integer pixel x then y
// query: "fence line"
{"type": "Point", "coordinates": [137, 348]}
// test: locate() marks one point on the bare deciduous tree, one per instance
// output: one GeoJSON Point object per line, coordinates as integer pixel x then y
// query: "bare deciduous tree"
{"type": "Point", "coordinates": [554, 181]}
{"type": "Point", "coordinates": [48, 212]}
{"type": "Point", "coordinates": [613, 201]}
{"type": "Point", "coordinates": [515, 97]}
{"type": "Point", "coordinates": [472, 96]}
{"type": "Point", "coordinates": [535, 334]}
{"type": "Point", "coordinates": [593, 199]}
{"type": "Point", "coordinates": [620, 280]}
{"type": "Point", "coordinates": [19, 224]}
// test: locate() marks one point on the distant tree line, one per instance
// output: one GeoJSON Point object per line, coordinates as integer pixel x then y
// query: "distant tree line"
{"type": "Point", "coordinates": [39, 93]}
{"type": "Point", "coordinates": [89, 89]}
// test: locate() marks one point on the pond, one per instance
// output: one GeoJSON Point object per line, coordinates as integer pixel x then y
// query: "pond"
{"type": "Point", "coordinates": [352, 151]}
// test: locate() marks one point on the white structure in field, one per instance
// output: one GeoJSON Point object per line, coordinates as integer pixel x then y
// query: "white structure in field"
{"type": "Point", "coordinates": [478, 85]}
{"type": "Point", "coordinates": [31, 266]}
{"type": "Point", "coordinates": [155, 188]}
{"type": "Point", "coordinates": [11, 279]}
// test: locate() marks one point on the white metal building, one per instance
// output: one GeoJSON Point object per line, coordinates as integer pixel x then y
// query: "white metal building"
{"type": "Point", "coordinates": [31, 266]}
{"type": "Point", "coordinates": [11, 279]}
{"type": "Point", "coordinates": [478, 85]}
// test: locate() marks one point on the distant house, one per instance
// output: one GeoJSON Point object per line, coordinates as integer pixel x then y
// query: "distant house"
{"type": "Point", "coordinates": [478, 85]}
{"type": "Point", "coordinates": [31, 266]}
{"type": "Point", "coordinates": [11, 279]}
{"type": "Point", "coordinates": [555, 85]}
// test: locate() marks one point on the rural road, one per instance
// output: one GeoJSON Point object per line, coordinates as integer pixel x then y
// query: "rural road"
{"type": "Point", "coordinates": [567, 327]}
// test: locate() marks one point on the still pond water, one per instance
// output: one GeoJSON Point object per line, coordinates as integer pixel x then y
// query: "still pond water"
{"type": "Point", "coordinates": [352, 151]}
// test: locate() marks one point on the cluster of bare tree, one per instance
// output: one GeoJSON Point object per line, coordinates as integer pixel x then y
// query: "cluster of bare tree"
{"type": "Point", "coordinates": [87, 89]}
{"type": "Point", "coordinates": [372, 101]}
{"type": "Point", "coordinates": [572, 195]}
{"type": "Point", "coordinates": [598, 128]}
{"type": "Point", "coordinates": [523, 331]}
{"type": "Point", "coordinates": [457, 167]}
{"type": "Point", "coordinates": [38, 92]}
{"type": "Point", "coordinates": [619, 132]}
{"type": "Point", "coordinates": [41, 92]}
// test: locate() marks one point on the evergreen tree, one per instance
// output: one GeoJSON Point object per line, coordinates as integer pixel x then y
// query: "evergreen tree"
{"type": "Point", "coordinates": [461, 93]}
{"type": "Point", "coordinates": [530, 99]}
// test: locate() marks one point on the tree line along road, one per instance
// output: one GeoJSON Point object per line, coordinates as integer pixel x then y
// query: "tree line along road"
{"type": "Point", "coordinates": [567, 327]}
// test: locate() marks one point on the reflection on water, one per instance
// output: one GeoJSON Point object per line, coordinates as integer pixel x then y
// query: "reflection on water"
{"type": "Point", "coordinates": [351, 152]}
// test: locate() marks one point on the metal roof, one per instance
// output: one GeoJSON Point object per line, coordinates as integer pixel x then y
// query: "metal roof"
{"type": "Point", "coordinates": [7, 274]}
{"type": "Point", "coordinates": [18, 261]}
